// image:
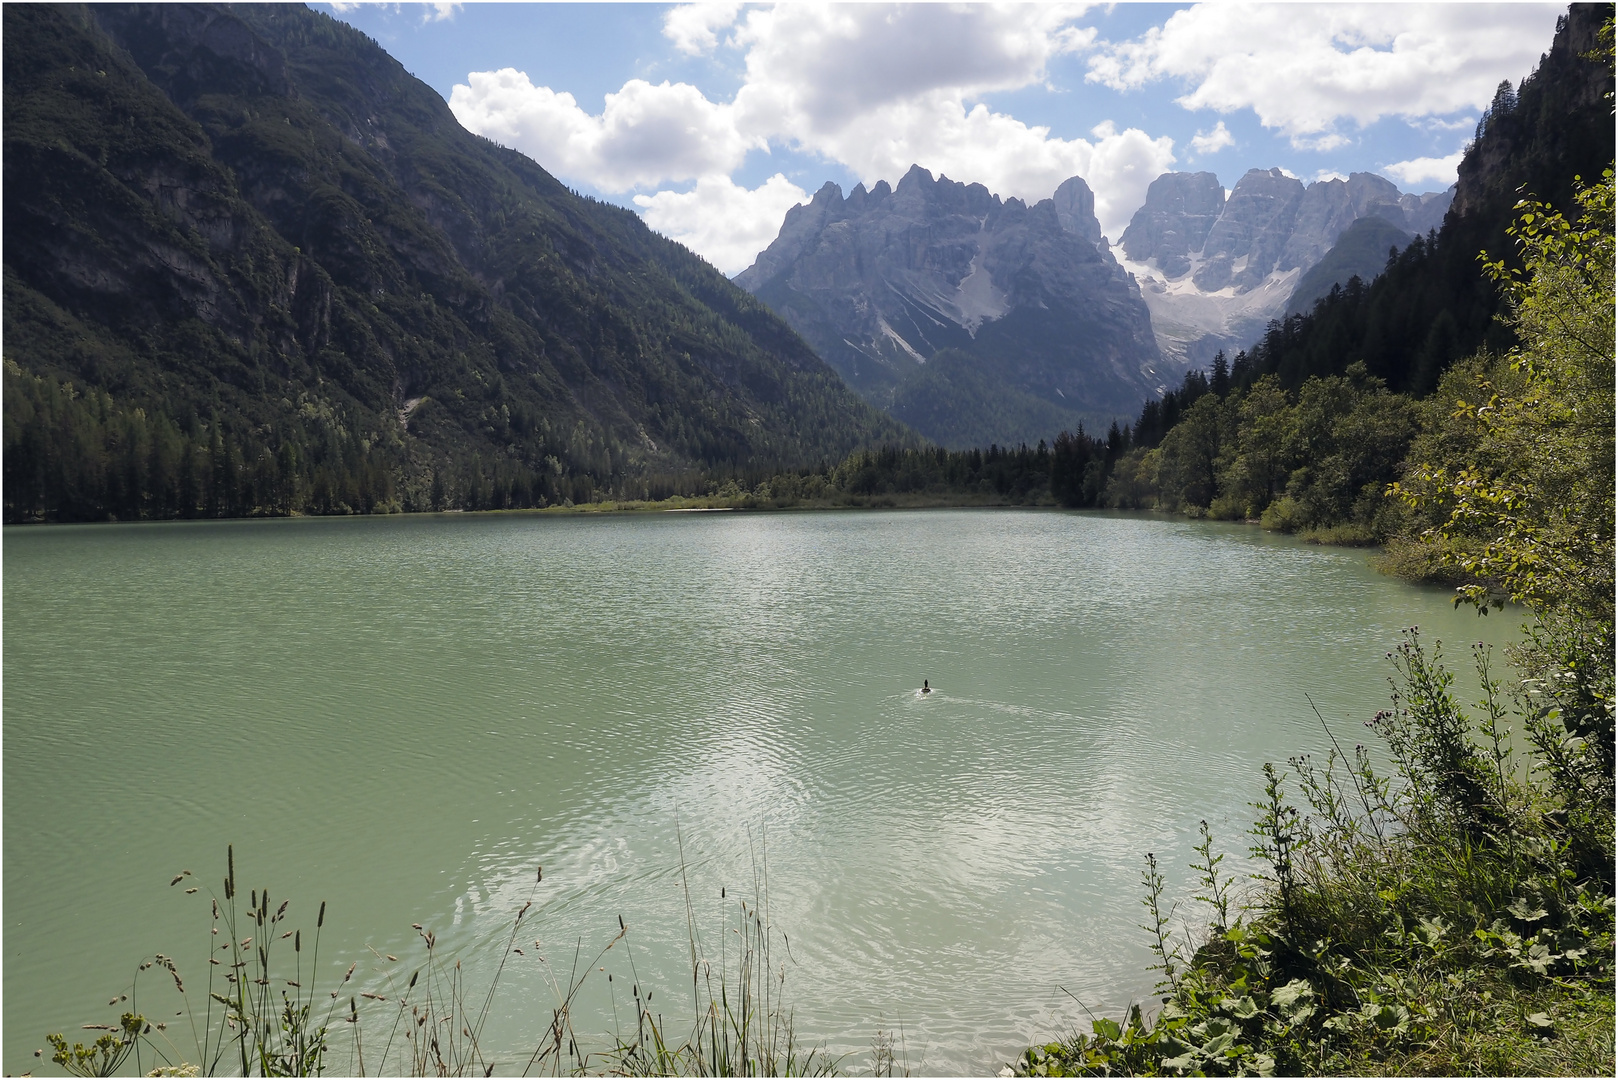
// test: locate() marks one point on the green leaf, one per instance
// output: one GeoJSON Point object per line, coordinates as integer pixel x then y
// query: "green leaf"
{"type": "Point", "coordinates": [1243, 1008]}
{"type": "Point", "coordinates": [1287, 998]}
{"type": "Point", "coordinates": [1182, 1064]}
{"type": "Point", "coordinates": [1519, 907]}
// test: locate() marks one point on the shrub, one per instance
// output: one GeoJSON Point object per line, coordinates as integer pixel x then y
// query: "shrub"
{"type": "Point", "coordinates": [1283, 515]}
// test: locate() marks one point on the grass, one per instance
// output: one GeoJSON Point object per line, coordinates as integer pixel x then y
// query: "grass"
{"type": "Point", "coordinates": [262, 1012]}
{"type": "Point", "coordinates": [1346, 534]}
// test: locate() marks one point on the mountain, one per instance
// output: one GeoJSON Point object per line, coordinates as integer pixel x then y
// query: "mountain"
{"type": "Point", "coordinates": [882, 281]}
{"type": "Point", "coordinates": [252, 265]}
{"type": "Point", "coordinates": [1214, 270]}
{"type": "Point", "coordinates": [1434, 303]}
{"type": "Point", "coordinates": [1361, 252]}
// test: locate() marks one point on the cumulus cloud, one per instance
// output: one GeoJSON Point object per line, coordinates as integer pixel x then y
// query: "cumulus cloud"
{"type": "Point", "coordinates": [880, 88]}
{"type": "Point", "coordinates": [812, 69]}
{"type": "Point", "coordinates": [694, 28]}
{"type": "Point", "coordinates": [1418, 170]}
{"type": "Point", "coordinates": [722, 221]}
{"type": "Point", "coordinates": [1460, 123]}
{"type": "Point", "coordinates": [645, 135]}
{"type": "Point", "coordinates": [1211, 142]}
{"type": "Point", "coordinates": [434, 12]}
{"type": "Point", "coordinates": [874, 87]}
{"type": "Point", "coordinates": [1321, 143]}
{"type": "Point", "coordinates": [1305, 68]}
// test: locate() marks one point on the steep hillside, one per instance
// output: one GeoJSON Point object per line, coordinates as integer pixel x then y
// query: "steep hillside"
{"type": "Point", "coordinates": [1433, 303]}
{"type": "Point", "coordinates": [279, 276]}
{"type": "Point", "coordinates": [883, 280]}
{"type": "Point", "coordinates": [1361, 252]}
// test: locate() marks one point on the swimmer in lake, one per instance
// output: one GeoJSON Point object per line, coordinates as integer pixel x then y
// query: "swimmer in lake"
{"type": "Point", "coordinates": [925, 688]}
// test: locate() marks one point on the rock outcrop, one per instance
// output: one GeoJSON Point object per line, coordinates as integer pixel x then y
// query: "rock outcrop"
{"type": "Point", "coordinates": [1214, 270]}
{"type": "Point", "coordinates": [1180, 208]}
{"type": "Point", "coordinates": [882, 280]}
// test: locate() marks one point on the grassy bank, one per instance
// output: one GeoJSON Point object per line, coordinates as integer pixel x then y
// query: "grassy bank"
{"type": "Point", "coordinates": [1452, 918]}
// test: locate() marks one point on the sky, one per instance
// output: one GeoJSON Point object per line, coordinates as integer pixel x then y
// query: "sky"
{"type": "Point", "coordinates": [712, 120]}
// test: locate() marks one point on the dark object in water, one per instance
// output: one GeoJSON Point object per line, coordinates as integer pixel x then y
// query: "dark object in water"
{"type": "Point", "coordinates": [925, 688]}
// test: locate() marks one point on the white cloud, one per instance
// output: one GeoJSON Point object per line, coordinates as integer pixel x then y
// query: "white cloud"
{"type": "Point", "coordinates": [1304, 68]}
{"type": "Point", "coordinates": [1418, 170]}
{"type": "Point", "coordinates": [1007, 156]}
{"type": "Point", "coordinates": [722, 221]}
{"type": "Point", "coordinates": [874, 87]}
{"type": "Point", "coordinates": [1211, 142]}
{"type": "Point", "coordinates": [813, 68]}
{"type": "Point", "coordinates": [1460, 123]}
{"type": "Point", "coordinates": [435, 12]}
{"type": "Point", "coordinates": [694, 28]}
{"type": "Point", "coordinates": [882, 87]}
{"type": "Point", "coordinates": [645, 135]}
{"type": "Point", "coordinates": [1328, 174]}
{"type": "Point", "coordinates": [1321, 143]}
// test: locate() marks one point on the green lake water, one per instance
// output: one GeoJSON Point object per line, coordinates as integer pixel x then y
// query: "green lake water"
{"type": "Point", "coordinates": [404, 716]}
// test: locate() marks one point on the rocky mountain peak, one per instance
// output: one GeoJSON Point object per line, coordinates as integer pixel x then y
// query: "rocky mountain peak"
{"type": "Point", "coordinates": [1179, 210]}
{"type": "Point", "coordinates": [880, 283]}
{"type": "Point", "coordinates": [1075, 206]}
{"type": "Point", "coordinates": [1253, 228]}
{"type": "Point", "coordinates": [1214, 270]}
{"type": "Point", "coordinates": [1331, 206]}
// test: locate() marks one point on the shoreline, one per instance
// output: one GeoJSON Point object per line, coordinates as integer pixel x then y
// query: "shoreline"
{"type": "Point", "coordinates": [751, 503]}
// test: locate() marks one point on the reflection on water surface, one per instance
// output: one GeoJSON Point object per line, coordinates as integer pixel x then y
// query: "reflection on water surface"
{"type": "Point", "coordinates": [404, 716]}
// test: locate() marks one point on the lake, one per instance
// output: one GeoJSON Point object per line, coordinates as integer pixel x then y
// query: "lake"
{"type": "Point", "coordinates": [405, 716]}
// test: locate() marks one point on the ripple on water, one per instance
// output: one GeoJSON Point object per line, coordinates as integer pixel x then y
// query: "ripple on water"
{"type": "Point", "coordinates": [406, 717]}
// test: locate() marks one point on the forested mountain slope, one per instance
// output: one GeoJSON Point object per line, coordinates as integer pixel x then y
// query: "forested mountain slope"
{"type": "Point", "coordinates": [276, 275]}
{"type": "Point", "coordinates": [1434, 303]}
{"type": "Point", "coordinates": [1362, 252]}
{"type": "Point", "coordinates": [1307, 429]}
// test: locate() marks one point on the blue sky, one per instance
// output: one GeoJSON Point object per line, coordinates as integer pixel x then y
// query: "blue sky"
{"type": "Point", "coordinates": [712, 119]}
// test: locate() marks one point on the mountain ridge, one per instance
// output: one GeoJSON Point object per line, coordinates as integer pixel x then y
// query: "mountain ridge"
{"type": "Point", "coordinates": [253, 222]}
{"type": "Point", "coordinates": [884, 279]}
{"type": "Point", "coordinates": [1434, 303]}
{"type": "Point", "coordinates": [1214, 270]}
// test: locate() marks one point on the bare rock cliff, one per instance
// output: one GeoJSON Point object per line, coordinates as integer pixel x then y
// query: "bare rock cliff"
{"type": "Point", "coordinates": [881, 281]}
